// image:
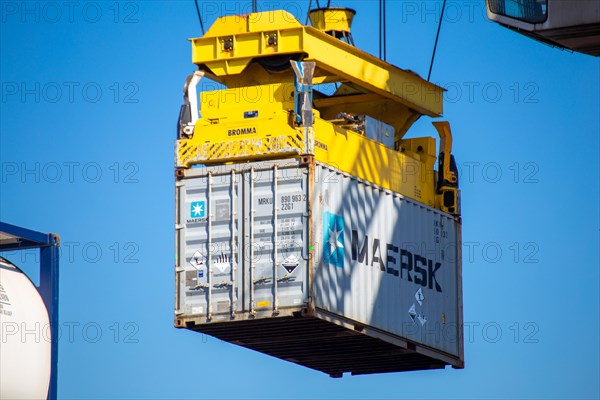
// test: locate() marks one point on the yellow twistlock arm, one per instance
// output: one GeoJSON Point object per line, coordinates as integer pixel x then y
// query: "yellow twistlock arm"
{"type": "Point", "coordinates": [447, 181]}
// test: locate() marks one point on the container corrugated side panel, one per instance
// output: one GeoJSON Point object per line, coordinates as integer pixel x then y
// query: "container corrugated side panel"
{"type": "Point", "coordinates": [387, 262]}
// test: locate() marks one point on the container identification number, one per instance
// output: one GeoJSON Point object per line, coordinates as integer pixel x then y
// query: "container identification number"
{"type": "Point", "coordinates": [287, 201]}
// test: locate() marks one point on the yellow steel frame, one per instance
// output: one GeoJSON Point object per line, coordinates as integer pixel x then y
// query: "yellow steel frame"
{"type": "Point", "coordinates": [333, 57]}
{"type": "Point", "coordinates": [224, 135]}
{"type": "Point", "coordinates": [369, 86]}
{"type": "Point", "coordinates": [234, 42]}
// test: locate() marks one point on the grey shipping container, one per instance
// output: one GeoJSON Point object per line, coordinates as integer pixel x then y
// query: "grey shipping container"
{"type": "Point", "coordinates": [300, 261]}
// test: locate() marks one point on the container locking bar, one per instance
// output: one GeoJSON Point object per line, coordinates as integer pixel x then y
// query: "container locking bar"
{"type": "Point", "coordinates": [208, 253]}
{"type": "Point", "coordinates": [275, 242]}
{"type": "Point", "coordinates": [252, 266]}
{"type": "Point", "coordinates": [233, 243]}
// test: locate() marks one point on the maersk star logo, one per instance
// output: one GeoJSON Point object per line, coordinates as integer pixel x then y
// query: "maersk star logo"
{"type": "Point", "coordinates": [198, 209]}
{"type": "Point", "coordinates": [333, 239]}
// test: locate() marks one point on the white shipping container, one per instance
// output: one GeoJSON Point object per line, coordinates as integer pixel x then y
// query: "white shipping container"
{"type": "Point", "coordinates": [303, 262]}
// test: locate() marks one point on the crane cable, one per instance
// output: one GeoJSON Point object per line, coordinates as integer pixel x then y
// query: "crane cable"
{"type": "Point", "coordinates": [436, 40]}
{"type": "Point", "coordinates": [380, 41]}
{"type": "Point", "coordinates": [199, 17]}
{"type": "Point", "coordinates": [310, 6]}
{"type": "Point", "coordinates": [382, 31]}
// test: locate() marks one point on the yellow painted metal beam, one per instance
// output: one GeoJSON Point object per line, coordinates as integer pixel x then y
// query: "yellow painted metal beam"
{"type": "Point", "coordinates": [233, 43]}
{"type": "Point", "coordinates": [372, 73]}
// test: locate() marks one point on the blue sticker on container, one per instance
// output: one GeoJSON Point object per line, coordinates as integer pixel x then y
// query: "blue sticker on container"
{"type": "Point", "coordinates": [333, 239]}
{"type": "Point", "coordinates": [198, 209]}
{"type": "Point", "coordinates": [251, 114]}
{"type": "Point", "coordinates": [200, 273]}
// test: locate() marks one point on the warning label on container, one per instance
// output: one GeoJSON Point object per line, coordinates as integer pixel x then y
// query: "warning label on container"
{"type": "Point", "coordinates": [419, 296]}
{"type": "Point", "coordinates": [290, 263]}
{"type": "Point", "coordinates": [198, 260]}
{"type": "Point", "coordinates": [412, 311]}
{"type": "Point", "coordinates": [221, 263]}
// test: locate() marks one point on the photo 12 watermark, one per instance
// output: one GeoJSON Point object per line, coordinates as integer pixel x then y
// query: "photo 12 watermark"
{"type": "Point", "coordinates": [491, 92]}
{"type": "Point", "coordinates": [77, 253]}
{"type": "Point", "coordinates": [69, 92]}
{"type": "Point", "coordinates": [54, 12]}
{"type": "Point", "coordinates": [69, 172]}
{"type": "Point", "coordinates": [492, 172]}
{"type": "Point", "coordinates": [67, 331]}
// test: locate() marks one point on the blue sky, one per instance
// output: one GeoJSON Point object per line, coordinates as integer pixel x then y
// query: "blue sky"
{"type": "Point", "coordinates": [90, 96]}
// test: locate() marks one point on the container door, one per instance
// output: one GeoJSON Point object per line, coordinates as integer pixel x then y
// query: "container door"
{"type": "Point", "coordinates": [210, 236]}
{"type": "Point", "coordinates": [275, 234]}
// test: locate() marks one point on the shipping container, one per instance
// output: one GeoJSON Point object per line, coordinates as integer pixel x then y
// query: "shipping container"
{"type": "Point", "coordinates": [301, 261]}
